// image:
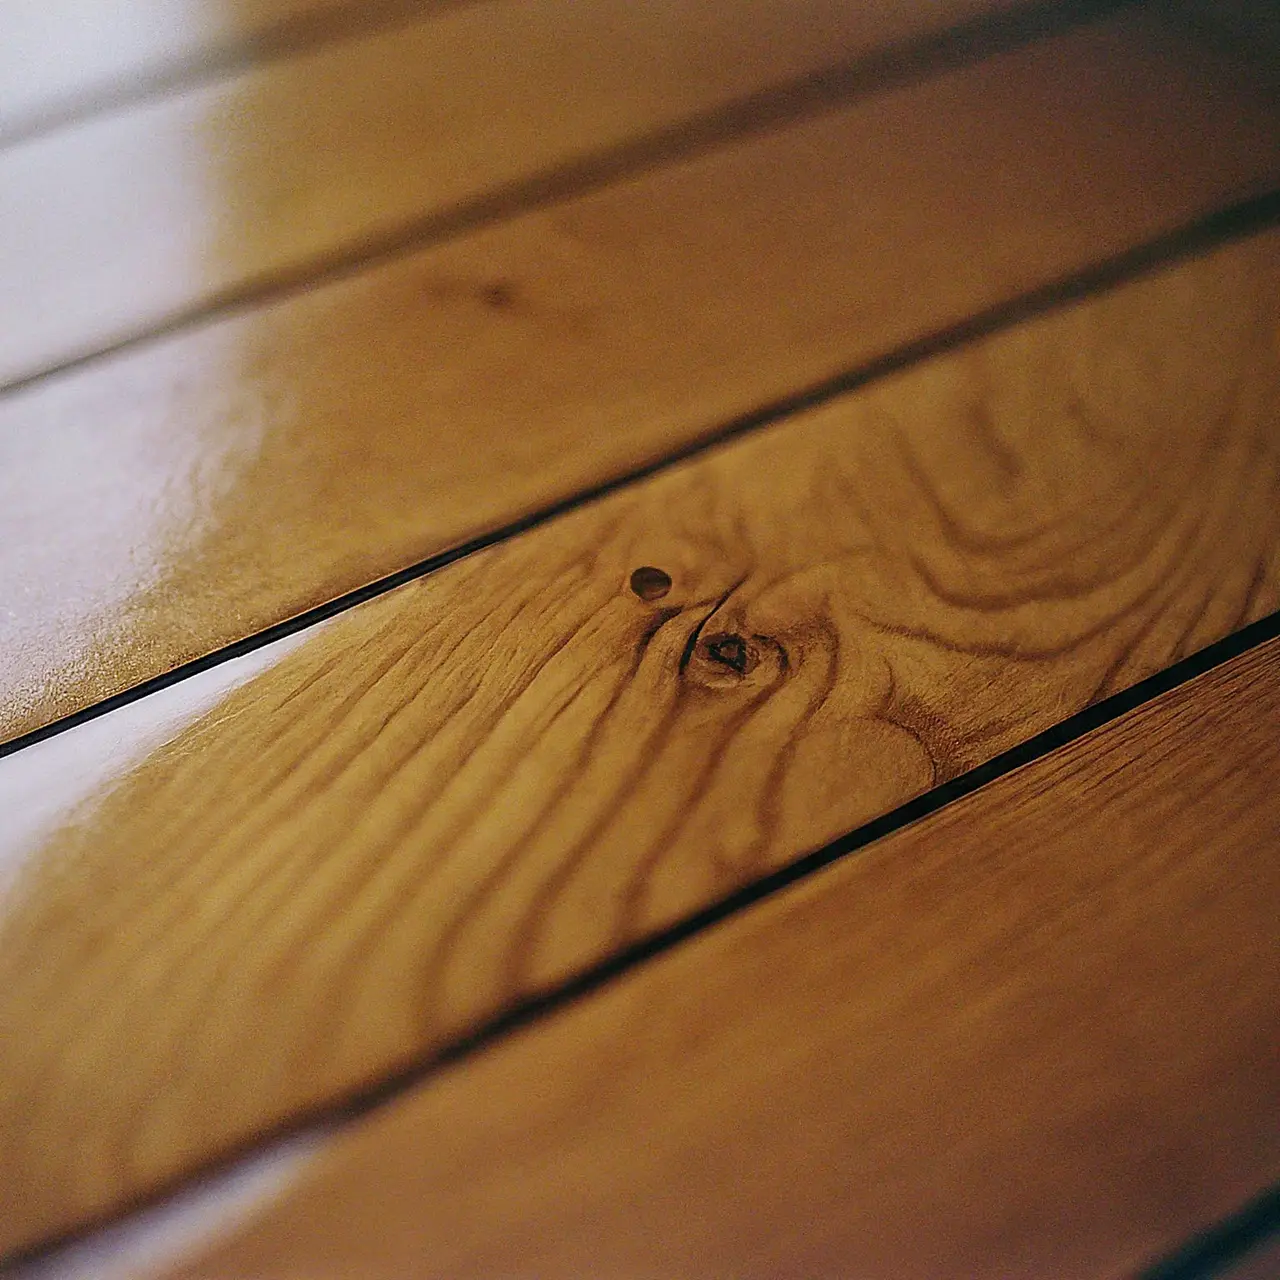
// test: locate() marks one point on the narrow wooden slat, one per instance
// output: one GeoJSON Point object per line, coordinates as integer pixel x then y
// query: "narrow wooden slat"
{"type": "Point", "coordinates": [60, 59]}
{"type": "Point", "coordinates": [1032, 1036]}
{"type": "Point", "coordinates": [126, 220]}
{"type": "Point", "coordinates": [164, 503]}
{"type": "Point", "coordinates": [451, 797]}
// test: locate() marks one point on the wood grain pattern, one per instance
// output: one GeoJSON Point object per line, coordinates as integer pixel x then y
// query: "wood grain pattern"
{"type": "Point", "coordinates": [60, 59]}
{"type": "Point", "coordinates": [461, 792]}
{"type": "Point", "coordinates": [164, 503]}
{"type": "Point", "coordinates": [1034, 1035]}
{"type": "Point", "coordinates": [129, 218]}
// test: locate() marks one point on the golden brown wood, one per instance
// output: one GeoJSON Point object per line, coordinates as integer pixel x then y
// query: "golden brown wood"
{"type": "Point", "coordinates": [64, 58]}
{"type": "Point", "coordinates": [1031, 1036]}
{"type": "Point", "coordinates": [134, 216]}
{"type": "Point", "coordinates": [159, 505]}
{"type": "Point", "coordinates": [460, 793]}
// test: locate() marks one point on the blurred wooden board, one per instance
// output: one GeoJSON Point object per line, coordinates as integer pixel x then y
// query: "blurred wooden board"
{"type": "Point", "coordinates": [460, 793]}
{"type": "Point", "coordinates": [174, 499]}
{"type": "Point", "coordinates": [62, 59]}
{"type": "Point", "coordinates": [133, 217]}
{"type": "Point", "coordinates": [1033, 1035]}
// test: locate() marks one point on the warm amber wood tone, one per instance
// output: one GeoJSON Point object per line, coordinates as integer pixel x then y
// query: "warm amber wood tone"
{"type": "Point", "coordinates": [1032, 1036]}
{"type": "Point", "coordinates": [164, 503]}
{"type": "Point", "coordinates": [63, 58]}
{"type": "Point", "coordinates": [466, 790]}
{"type": "Point", "coordinates": [136, 215]}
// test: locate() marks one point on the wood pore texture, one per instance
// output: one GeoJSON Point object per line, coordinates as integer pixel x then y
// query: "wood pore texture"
{"type": "Point", "coordinates": [459, 794]}
{"type": "Point", "coordinates": [1034, 1035]}
{"type": "Point", "coordinates": [179, 496]}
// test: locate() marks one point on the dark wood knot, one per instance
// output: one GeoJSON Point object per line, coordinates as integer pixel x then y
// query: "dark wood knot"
{"type": "Point", "coordinates": [650, 583]}
{"type": "Point", "coordinates": [500, 295]}
{"type": "Point", "coordinates": [732, 651]}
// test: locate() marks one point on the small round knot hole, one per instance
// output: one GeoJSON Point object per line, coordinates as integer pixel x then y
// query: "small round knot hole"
{"type": "Point", "coordinates": [650, 583]}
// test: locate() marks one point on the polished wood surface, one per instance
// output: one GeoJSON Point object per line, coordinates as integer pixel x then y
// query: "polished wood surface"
{"type": "Point", "coordinates": [1034, 1035]}
{"type": "Point", "coordinates": [163, 503]}
{"type": "Point", "coordinates": [137, 216]}
{"type": "Point", "coordinates": [455, 795]}
{"type": "Point", "coordinates": [294, 293]}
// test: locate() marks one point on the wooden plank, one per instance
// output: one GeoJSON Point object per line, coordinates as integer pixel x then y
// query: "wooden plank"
{"type": "Point", "coordinates": [60, 59]}
{"type": "Point", "coordinates": [172, 500]}
{"type": "Point", "coordinates": [456, 795]}
{"type": "Point", "coordinates": [126, 220]}
{"type": "Point", "coordinates": [1031, 1036]}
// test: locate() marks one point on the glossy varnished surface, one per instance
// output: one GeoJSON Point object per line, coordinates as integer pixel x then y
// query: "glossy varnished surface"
{"type": "Point", "coordinates": [1031, 1036]}
{"type": "Point", "coordinates": [181, 496]}
{"type": "Point", "coordinates": [457, 794]}
{"type": "Point", "coordinates": [141, 214]}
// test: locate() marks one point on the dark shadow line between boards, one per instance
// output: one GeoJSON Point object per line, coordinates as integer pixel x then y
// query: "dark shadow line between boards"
{"type": "Point", "coordinates": [1237, 221]}
{"type": "Point", "coordinates": [830, 89]}
{"type": "Point", "coordinates": [1198, 1260]}
{"type": "Point", "coordinates": [1229, 1241]}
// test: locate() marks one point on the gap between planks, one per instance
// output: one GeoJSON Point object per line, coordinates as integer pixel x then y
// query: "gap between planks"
{"type": "Point", "coordinates": [503, 1101]}
{"type": "Point", "coordinates": [571, 168]}
{"type": "Point", "coordinates": [1243, 1246]}
{"type": "Point", "coordinates": [1231, 1240]}
{"type": "Point", "coordinates": [215, 492]}
{"type": "Point", "coordinates": [1201, 236]}
{"type": "Point", "coordinates": [887, 634]}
